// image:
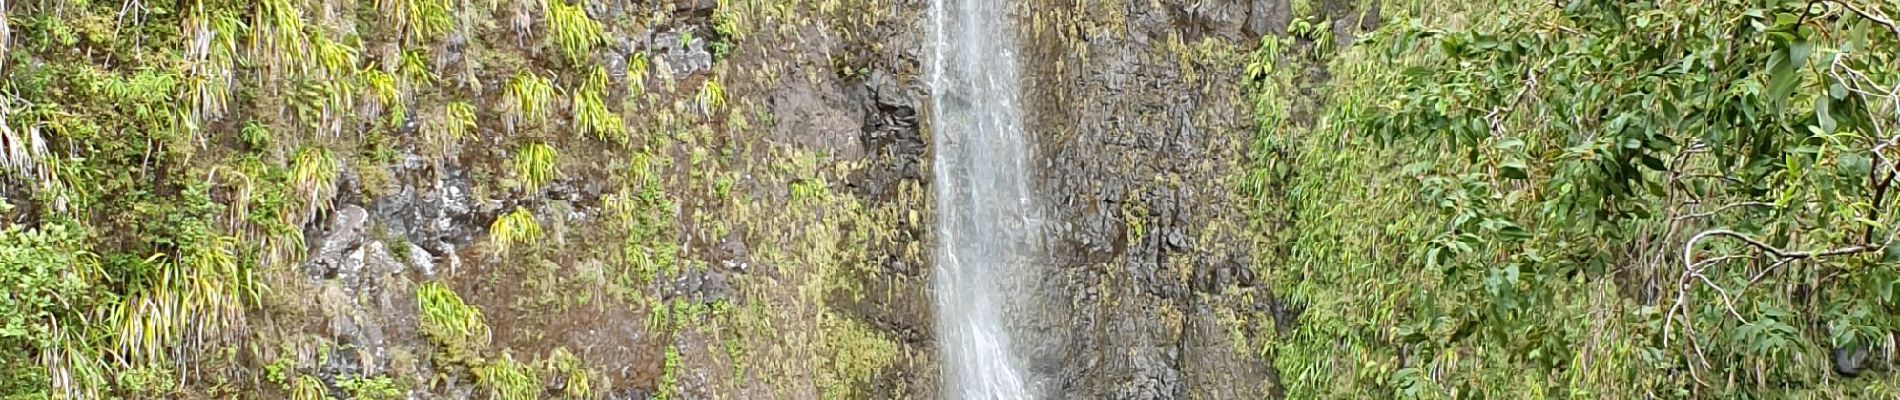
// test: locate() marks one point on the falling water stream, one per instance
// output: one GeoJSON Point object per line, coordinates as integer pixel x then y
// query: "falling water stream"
{"type": "Point", "coordinates": [984, 208]}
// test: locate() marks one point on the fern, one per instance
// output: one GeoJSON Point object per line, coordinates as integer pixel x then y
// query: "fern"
{"type": "Point", "coordinates": [313, 174]}
{"type": "Point", "coordinates": [459, 120]}
{"type": "Point", "coordinates": [571, 31]}
{"type": "Point", "coordinates": [711, 97]}
{"type": "Point", "coordinates": [513, 228]}
{"type": "Point", "coordinates": [509, 380]}
{"type": "Point", "coordinates": [535, 166]}
{"type": "Point", "coordinates": [528, 97]}
{"type": "Point", "coordinates": [591, 115]}
{"type": "Point", "coordinates": [449, 322]}
{"type": "Point", "coordinates": [388, 96]}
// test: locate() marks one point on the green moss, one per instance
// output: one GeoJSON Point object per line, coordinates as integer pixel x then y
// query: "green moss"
{"type": "Point", "coordinates": [856, 355]}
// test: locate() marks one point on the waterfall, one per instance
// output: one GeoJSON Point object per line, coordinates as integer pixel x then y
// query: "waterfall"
{"type": "Point", "coordinates": [985, 212]}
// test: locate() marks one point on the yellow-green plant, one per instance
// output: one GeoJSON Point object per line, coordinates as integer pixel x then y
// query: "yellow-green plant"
{"type": "Point", "coordinates": [213, 57]}
{"type": "Point", "coordinates": [637, 66]}
{"type": "Point", "coordinates": [308, 388]}
{"type": "Point", "coordinates": [514, 228]}
{"type": "Point", "coordinates": [528, 97]}
{"type": "Point", "coordinates": [509, 380]}
{"type": "Point", "coordinates": [279, 32]}
{"type": "Point", "coordinates": [712, 96]}
{"type": "Point", "coordinates": [415, 67]}
{"type": "Point", "coordinates": [535, 166]}
{"type": "Point", "coordinates": [570, 30]}
{"type": "Point", "coordinates": [579, 382]}
{"type": "Point", "coordinates": [427, 19]}
{"type": "Point", "coordinates": [590, 112]}
{"type": "Point", "coordinates": [337, 59]}
{"type": "Point", "coordinates": [455, 326]}
{"type": "Point", "coordinates": [313, 175]}
{"type": "Point", "coordinates": [383, 89]}
{"type": "Point", "coordinates": [458, 120]}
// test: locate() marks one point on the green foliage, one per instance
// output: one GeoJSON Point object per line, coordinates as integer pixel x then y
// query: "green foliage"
{"type": "Point", "coordinates": [454, 326]}
{"type": "Point", "coordinates": [426, 19]}
{"type": "Point", "coordinates": [591, 115]}
{"type": "Point", "coordinates": [378, 388]}
{"type": "Point", "coordinates": [460, 117]}
{"type": "Point", "coordinates": [506, 379]}
{"type": "Point", "coordinates": [535, 166]}
{"type": "Point", "coordinates": [528, 99]}
{"type": "Point", "coordinates": [637, 68]}
{"type": "Point", "coordinates": [514, 228]}
{"type": "Point", "coordinates": [382, 88]}
{"type": "Point", "coordinates": [313, 174]}
{"type": "Point", "coordinates": [309, 388]}
{"type": "Point", "coordinates": [857, 354]}
{"type": "Point", "coordinates": [646, 214]}
{"type": "Point", "coordinates": [711, 97]}
{"type": "Point", "coordinates": [1604, 200]}
{"type": "Point", "coordinates": [48, 276]}
{"type": "Point", "coordinates": [577, 382]}
{"type": "Point", "coordinates": [571, 31]}
{"type": "Point", "coordinates": [669, 375]}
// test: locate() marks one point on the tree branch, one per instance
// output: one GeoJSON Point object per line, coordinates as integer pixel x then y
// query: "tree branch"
{"type": "Point", "coordinates": [1878, 19]}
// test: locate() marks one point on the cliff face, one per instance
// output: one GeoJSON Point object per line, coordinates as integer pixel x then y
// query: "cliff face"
{"type": "Point", "coordinates": [763, 236]}
{"type": "Point", "coordinates": [1138, 120]}
{"type": "Point", "coordinates": [620, 199]}
{"type": "Point", "coordinates": [1137, 111]}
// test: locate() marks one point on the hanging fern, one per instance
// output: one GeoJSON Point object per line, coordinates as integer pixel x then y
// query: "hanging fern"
{"type": "Point", "coordinates": [534, 166]}
{"type": "Point", "coordinates": [571, 31]}
{"type": "Point", "coordinates": [591, 115]}
{"type": "Point", "coordinates": [313, 174]}
{"type": "Point", "coordinates": [514, 228]}
{"type": "Point", "coordinates": [528, 100]}
{"type": "Point", "coordinates": [711, 97]}
{"type": "Point", "coordinates": [459, 120]}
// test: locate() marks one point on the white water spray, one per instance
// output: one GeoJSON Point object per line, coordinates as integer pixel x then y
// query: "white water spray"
{"type": "Point", "coordinates": [985, 213]}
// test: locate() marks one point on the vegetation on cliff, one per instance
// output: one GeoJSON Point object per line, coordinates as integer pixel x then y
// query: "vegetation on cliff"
{"type": "Point", "coordinates": [1582, 199]}
{"type": "Point", "coordinates": [174, 171]}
